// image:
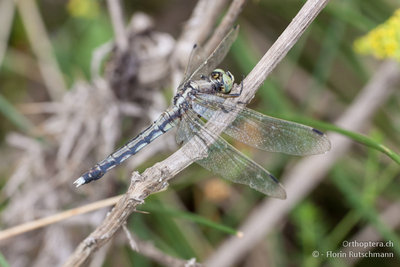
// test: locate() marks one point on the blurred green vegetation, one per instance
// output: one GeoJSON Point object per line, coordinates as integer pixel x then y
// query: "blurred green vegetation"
{"type": "Point", "coordinates": [183, 222]}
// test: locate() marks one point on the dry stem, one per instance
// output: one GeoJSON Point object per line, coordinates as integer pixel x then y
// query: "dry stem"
{"type": "Point", "coordinates": [117, 19]}
{"type": "Point", "coordinates": [23, 228]}
{"type": "Point", "coordinates": [149, 250]}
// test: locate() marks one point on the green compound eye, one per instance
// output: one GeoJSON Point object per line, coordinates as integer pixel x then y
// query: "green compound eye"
{"type": "Point", "coordinates": [225, 78]}
{"type": "Point", "coordinates": [215, 75]}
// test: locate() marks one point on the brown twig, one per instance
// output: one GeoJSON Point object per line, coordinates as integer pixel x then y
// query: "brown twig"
{"type": "Point", "coordinates": [156, 177]}
{"type": "Point", "coordinates": [117, 19]}
{"type": "Point", "coordinates": [30, 226]}
{"type": "Point", "coordinates": [149, 250]}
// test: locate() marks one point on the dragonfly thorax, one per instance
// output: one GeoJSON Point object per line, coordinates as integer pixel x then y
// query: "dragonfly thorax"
{"type": "Point", "coordinates": [218, 82]}
{"type": "Point", "coordinates": [223, 80]}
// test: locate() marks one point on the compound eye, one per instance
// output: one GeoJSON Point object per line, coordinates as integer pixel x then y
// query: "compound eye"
{"type": "Point", "coordinates": [215, 75]}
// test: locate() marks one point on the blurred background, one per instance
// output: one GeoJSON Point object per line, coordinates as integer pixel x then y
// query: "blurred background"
{"type": "Point", "coordinates": [70, 95]}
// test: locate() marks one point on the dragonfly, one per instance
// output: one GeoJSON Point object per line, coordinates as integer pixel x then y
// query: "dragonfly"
{"type": "Point", "coordinates": [201, 96]}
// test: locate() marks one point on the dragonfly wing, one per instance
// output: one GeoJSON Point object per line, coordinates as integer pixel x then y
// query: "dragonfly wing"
{"type": "Point", "coordinates": [263, 132]}
{"type": "Point", "coordinates": [216, 56]}
{"type": "Point", "coordinates": [228, 162]}
{"type": "Point", "coordinates": [195, 59]}
{"type": "Point", "coordinates": [183, 133]}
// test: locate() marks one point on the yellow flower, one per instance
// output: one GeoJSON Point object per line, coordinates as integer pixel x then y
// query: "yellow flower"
{"type": "Point", "coordinates": [83, 8]}
{"type": "Point", "coordinates": [383, 41]}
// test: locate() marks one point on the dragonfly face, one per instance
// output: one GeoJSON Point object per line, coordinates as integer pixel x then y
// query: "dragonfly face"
{"type": "Point", "coordinates": [224, 79]}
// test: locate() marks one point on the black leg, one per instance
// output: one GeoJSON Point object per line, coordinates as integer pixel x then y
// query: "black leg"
{"type": "Point", "coordinates": [237, 94]}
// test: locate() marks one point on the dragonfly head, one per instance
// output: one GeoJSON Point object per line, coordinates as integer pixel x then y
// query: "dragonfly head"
{"type": "Point", "coordinates": [224, 79]}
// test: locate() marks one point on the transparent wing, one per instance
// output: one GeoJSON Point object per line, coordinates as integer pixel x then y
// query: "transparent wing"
{"type": "Point", "coordinates": [263, 132]}
{"type": "Point", "coordinates": [226, 161]}
{"type": "Point", "coordinates": [195, 59]}
{"type": "Point", "coordinates": [216, 56]}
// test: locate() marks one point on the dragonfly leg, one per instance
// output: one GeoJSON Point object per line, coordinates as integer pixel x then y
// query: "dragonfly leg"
{"type": "Point", "coordinates": [241, 90]}
{"type": "Point", "coordinates": [237, 94]}
{"type": "Point", "coordinates": [231, 95]}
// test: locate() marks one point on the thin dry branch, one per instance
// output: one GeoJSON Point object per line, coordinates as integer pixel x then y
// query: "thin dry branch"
{"type": "Point", "coordinates": [309, 172]}
{"type": "Point", "coordinates": [155, 178]}
{"type": "Point", "coordinates": [30, 226]}
{"type": "Point", "coordinates": [149, 250]}
{"type": "Point", "coordinates": [152, 180]}
{"type": "Point", "coordinates": [117, 19]}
